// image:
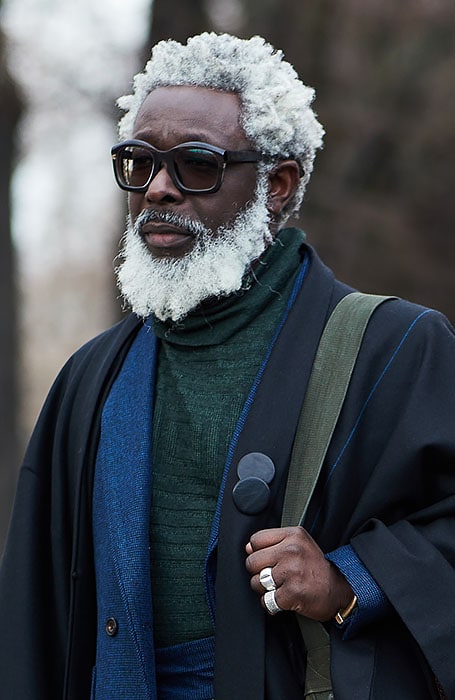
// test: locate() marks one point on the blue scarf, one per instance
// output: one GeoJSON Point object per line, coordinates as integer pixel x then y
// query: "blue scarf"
{"type": "Point", "coordinates": [127, 664]}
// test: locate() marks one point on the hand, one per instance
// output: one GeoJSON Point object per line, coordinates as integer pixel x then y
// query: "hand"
{"type": "Point", "coordinates": [306, 582]}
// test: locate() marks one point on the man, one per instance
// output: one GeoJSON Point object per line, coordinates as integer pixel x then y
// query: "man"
{"type": "Point", "coordinates": [145, 557]}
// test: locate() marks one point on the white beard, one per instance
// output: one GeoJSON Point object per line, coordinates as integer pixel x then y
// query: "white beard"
{"type": "Point", "coordinates": [215, 267]}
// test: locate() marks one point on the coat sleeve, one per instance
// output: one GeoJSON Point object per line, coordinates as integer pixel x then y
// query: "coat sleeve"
{"type": "Point", "coordinates": [408, 542]}
{"type": "Point", "coordinates": [35, 570]}
{"type": "Point", "coordinates": [47, 588]}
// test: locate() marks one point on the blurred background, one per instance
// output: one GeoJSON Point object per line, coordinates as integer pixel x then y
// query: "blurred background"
{"type": "Point", "coordinates": [380, 207]}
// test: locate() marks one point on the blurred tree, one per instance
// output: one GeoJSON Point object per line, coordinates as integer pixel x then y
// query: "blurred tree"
{"type": "Point", "coordinates": [177, 20]}
{"type": "Point", "coordinates": [380, 207]}
{"type": "Point", "coordinates": [9, 115]}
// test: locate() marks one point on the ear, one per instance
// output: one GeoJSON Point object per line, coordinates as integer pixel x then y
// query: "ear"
{"type": "Point", "coordinates": [283, 182]}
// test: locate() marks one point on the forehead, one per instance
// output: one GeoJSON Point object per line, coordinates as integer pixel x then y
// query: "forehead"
{"type": "Point", "coordinates": [171, 115]}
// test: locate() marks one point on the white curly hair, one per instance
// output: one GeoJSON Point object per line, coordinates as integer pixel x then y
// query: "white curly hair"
{"type": "Point", "coordinates": [276, 113]}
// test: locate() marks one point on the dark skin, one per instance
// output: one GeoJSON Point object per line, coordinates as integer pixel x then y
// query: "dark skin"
{"type": "Point", "coordinates": [172, 115]}
{"type": "Point", "coordinates": [307, 583]}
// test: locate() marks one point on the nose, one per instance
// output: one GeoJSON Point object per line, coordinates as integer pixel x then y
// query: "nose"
{"type": "Point", "coordinates": [162, 189]}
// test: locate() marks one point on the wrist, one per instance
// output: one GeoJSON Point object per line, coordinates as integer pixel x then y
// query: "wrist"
{"type": "Point", "coordinates": [344, 593]}
{"type": "Point", "coordinates": [343, 613]}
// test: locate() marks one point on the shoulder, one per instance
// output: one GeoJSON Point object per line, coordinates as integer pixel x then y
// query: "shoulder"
{"type": "Point", "coordinates": [407, 351]}
{"type": "Point", "coordinates": [394, 316]}
{"type": "Point", "coordinates": [74, 399]}
{"type": "Point", "coordinates": [400, 321]}
{"type": "Point", "coordinates": [112, 337]}
{"type": "Point", "coordinates": [88, 370]}
{"type": "Point", "coordinates": [102, 348]}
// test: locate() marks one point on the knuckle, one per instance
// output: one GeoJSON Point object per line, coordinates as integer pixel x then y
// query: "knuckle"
{"type": "Point", "coordinates": [293, 548]}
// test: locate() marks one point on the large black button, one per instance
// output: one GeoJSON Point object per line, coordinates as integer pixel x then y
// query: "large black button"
{"type": "Point", "coordinates": [251, 495]}
{"type": "Point", "coordinates": [256, 464]}
{"type": "Point", "coordinates": [111, 626]}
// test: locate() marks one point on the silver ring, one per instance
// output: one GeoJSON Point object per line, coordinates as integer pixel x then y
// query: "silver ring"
{"type": "Point", "coordinates": [266, 579]}
{"type": "Point", "coordinates": [270, 603]}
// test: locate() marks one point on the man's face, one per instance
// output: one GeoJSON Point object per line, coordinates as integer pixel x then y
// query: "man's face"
{"type": "Point", "coordinates": [168, 117]}
{"type": "Point", "coordinates": [182, 249]}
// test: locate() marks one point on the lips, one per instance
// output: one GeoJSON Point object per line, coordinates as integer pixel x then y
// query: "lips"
{"type": "Point", "coordinates": [162, 236]}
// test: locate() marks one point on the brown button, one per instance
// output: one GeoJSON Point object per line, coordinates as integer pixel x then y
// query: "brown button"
{"type": "Point", "coordinates": [111, 626]}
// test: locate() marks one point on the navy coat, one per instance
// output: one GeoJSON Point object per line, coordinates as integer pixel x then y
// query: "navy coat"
{"type": "Point", "coordinates": [387, 487]}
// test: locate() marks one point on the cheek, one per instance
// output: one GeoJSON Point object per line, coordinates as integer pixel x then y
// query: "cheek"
{"type": "Point", "coordinates": [238, 200]}
{"type": "Point", "coordinates": [135, 204]}
{"type": "Point", "coordinates": [229, 201]}
{"type": "Point", "coordinates": [220, 213]}
{"type": "Point", "coordinates": [242, 192]}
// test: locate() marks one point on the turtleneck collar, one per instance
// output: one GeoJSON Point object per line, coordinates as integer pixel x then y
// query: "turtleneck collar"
{"type": "Point", "coordinates": [269, 281]}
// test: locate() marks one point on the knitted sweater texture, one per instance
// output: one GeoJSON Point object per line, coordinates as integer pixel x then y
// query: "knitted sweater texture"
{"type": "Point", "coordinates": [206, 367]}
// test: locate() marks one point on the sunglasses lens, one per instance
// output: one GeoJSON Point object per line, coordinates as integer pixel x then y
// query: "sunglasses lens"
{"type": "Point", "coordinates": [134, 166]}
{"type": "Point", "coordinates": [197, 168]}
{"type": "Point", "coordinates": [193, 168]}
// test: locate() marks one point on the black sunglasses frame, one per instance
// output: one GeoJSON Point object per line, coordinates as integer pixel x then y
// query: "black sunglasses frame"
{"type": "Point", "coordinates": [167, 157]}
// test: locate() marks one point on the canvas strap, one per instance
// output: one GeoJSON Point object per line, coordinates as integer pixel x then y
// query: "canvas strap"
{"type": "Point", "coordinates": [330, 376]}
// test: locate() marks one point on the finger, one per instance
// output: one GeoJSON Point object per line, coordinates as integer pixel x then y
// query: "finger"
{"type": "Point", "coordinates": [267, 547]}
{"type": "Point", "coordinates": [258, 587]}
{"type": "Point", "coordinates": [257, 561]}
{"type": "Point", "coordinates": [267, 538]}
{"type": "Point", "coordinates": [278, 602]}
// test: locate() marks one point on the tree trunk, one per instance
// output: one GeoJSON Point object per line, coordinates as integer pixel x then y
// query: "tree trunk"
{"type": "Point", "coordinates": [174, 19]}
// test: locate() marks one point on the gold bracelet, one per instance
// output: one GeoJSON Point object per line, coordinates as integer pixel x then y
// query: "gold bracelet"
{"type": "Point", "coordinates": [342, 615]}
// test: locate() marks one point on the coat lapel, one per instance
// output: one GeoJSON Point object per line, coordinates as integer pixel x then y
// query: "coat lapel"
{"type": "Point", "coordinates": [269, 428]}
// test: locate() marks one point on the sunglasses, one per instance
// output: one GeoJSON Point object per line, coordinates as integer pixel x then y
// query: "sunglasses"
{"type": "Point", "coordinates": [194, 167]}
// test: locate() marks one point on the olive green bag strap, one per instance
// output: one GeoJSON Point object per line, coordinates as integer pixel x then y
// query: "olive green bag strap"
{"type": "Point", "coordinates": [327, 387]}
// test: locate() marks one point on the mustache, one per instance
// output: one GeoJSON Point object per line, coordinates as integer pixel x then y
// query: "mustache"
{"type": "Point", "coordinates": [191, 226]}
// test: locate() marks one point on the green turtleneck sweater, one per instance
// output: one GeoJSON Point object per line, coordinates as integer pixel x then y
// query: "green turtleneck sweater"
{"type": "Point", "coordinates": [206, 367]}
